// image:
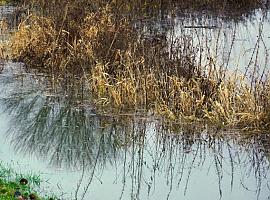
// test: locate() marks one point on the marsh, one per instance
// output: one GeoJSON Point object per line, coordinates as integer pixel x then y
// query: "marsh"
{"type": "Point", "coordinates": [143, 100]}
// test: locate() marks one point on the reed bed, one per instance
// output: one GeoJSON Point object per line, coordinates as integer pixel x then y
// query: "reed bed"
{"type": "Point", "coordinates": [231, 103]}
{"type": "Point", "coordinates": [127, 71]}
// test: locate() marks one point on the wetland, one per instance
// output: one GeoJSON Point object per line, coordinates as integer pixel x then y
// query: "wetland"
{"type": "Point", "coordinates": [143, 100]}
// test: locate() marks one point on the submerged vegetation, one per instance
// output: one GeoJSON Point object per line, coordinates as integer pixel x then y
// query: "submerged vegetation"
{"type": "Point", "coordinates": [126, 70]}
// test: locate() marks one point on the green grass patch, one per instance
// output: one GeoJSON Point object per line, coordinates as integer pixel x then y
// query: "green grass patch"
{"type": "Point", "coordinates": [15, 186]}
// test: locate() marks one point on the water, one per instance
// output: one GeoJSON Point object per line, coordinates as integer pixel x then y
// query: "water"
{"type": "Point", "coordinates": [7, 19]}
{"type": "Point", "coordinates": [53, 130]}
{"type": "Point", "coordinates": [123, 157]}
{"type": "Point", "coordinates": [226, 44]}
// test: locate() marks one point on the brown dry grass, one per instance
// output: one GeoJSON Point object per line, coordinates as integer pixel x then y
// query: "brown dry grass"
{"type": "Point", "coordinates": [231, 103]}
{"type": "Point", "coordinates": [127, 73]}
{"type": "Point", "coordinates": [40, 42]}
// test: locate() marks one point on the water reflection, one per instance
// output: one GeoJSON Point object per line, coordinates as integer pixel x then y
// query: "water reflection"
{"type": "Point", "coordinates": [222, 44]}
{"type": "Point", "coordinates": [133, 157]}
{"type": "Point", "coordinates": [130, 156]}
{"type": "Point", "coordinates": [58, 130]}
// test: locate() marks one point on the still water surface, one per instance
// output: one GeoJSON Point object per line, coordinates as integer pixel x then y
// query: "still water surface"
{"type": "Point", "coordinates": [123, 157]}
{"type": "Point", "coordinates": [54, 131]}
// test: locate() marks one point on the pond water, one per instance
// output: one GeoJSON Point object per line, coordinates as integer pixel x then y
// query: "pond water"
{"type": "Point", "coordinates": [54, 131]}
{"type": "Point", "coordinates": [126, 156]}
{"type": "Point", "coordinates": [234, 44]}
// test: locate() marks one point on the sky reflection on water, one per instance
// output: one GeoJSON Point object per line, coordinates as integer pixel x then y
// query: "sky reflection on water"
{"type": "Point", "coordinates": [128, 156]}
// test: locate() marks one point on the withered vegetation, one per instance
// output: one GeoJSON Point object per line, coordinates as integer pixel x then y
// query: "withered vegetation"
{"type": "Point", "coordinates": [128, 71]}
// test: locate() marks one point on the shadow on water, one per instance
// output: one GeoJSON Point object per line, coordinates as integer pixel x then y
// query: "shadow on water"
{"type": "Point", "coordinates": [131, 156]}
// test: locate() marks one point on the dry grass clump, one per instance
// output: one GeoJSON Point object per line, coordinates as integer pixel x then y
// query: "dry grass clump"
{"type": "Point", "coordinates": [231, 103]}
{"type": "Point", "coordinates": [239, 105]}
{"type": "Point", "coordinates": [36, 42]}
{"type": "Point", "coordinates": [40, 42]}
{"type": "Point", "coordinates": [105, 37]}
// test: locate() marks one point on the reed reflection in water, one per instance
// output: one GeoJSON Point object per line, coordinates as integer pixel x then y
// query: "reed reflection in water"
{"type": "Point", "coordinates": [135, 157]}
{"type": "Point", "coordinates": [226, 44]}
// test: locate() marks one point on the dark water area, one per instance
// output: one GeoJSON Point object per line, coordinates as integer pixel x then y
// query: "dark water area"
{"type": "Point", "coordinates": [54, 130]}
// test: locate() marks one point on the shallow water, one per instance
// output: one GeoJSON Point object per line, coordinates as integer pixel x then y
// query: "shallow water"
{"type": "Point", "coordinates": [123, 157]}
{"type": "Point", "coordinates": [232, 44]}
{"type": "Point", "coordinates": [53, 131]}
